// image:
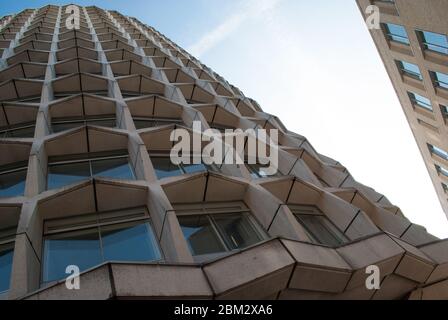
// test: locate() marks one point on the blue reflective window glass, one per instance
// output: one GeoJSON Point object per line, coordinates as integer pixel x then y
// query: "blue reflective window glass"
{"type": "Point", "coordinates": [420, 100]}
{"type": "Point", "coordinates": [441, 79]}
{"type": "Point", "coordinates": [397, 33]}
{"type": "Point", "coordinates": [442, 170]}
{"type": "Point", "coordinates": [435, 41]}
{"type": "Point", "coordinates": [65, 174]}
{"type": "Point", "coordinates": [113, 168]}
{"type": "Point", "coordinates": [194, 168]}
{"type": "Point", "coordinates": [440, 152]}
{"type": "Point", "coordinates": [6, 256]}
{"type": "Point", "coordinates": [80, 248]}
{"type": "Point", "coordinates": [410, 69]}
{"type": "Point", "coordinates": [24, 132]}
{"type": "Point", "coordinates": [129, 242]}
{"type": "Point", "coordinates": [12, 184]}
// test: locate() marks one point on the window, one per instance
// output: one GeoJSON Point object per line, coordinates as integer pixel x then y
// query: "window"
{"type": "Point", "coordinates": [318, 227]}
{"type": "Point", "coordinates": [434, 41]}
{"type": "Point", "coordinates": [440, 79]}
{"type": "Point", "coordinates": [409, 69]}
{"type": "Point", "coordinates": [165, 168]}
{"type": "Point", "coordinates": [445, 187]}
{"type": "Point", "coordinates": [257, 171]}
{"type": "Point", "coordinates": [67, 170]}
{"type": "Point", "coordinates": [59, 125]}
{"type": "Point", "coordinates": [12, 181]}
{"type": "Point", "coordinates": [420, 101]}
{"type": "Point", "coordinates": [7, 240]}
{"type": "Point", "coordinates": [444, 110]}
{"type": "Point", "coordinates": [212, 234]}
{"type": "Point", "coordinates": [221, 128]}
{"type": "Point", "coordinates": [35, 99]}
{"type": "Point", "coordinates": [437, 151]}
{"type": "Point", "coordinates": [442, 171]}
{"type": "Point", "coordinates": [88, 241]}
{"type": "Point", "coordinates": [141, 123]}
{"type": "Point", "coordinates": [21, 131]}
{"type": "Point", "coordinates": [396, 33]}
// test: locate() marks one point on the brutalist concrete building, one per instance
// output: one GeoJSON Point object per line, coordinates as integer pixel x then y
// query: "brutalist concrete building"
{"type": "Point", "coordinates": [413, 44]}
{"type": "Point", "coordinates": [86, 180]}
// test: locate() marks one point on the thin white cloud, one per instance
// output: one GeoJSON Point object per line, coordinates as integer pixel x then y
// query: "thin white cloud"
{"type": "Point", "coordinates": [250, 9]}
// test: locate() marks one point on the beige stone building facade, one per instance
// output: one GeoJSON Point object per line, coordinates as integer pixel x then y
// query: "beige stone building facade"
{"type": "Point", "coordinates": [86, 182]}
{"type": "Point", "coordinates": [413, 44]}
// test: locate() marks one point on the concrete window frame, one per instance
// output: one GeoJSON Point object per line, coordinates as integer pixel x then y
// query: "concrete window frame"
{"type": "Point", "coordinates": [98, 220]}
{"type": "Point", "coordinates": [94, 120]}
{"type": "Point", "coordinates": [181, 167]}
{"type": "Point", "coordinates": [90, 158]}
{"type": "Point", "coordinates": [7, 245]}
{"type": "Point", "coordinates": [155, 122]}
{"type": "Point", "coordinates": [14, 131]}
{"type": "Point", "coordinates": [300, 211]}
{"type": "Point", "coordinates": [221, 209]}
{"type": "Point", "coordinates": [19, 167]}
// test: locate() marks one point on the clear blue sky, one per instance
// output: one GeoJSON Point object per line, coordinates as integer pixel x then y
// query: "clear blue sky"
{"type": "Point", "coordinates": [314, 65]}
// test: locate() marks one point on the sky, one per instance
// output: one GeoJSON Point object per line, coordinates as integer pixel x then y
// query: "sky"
{"type": "Point", "coordinates": [315, 66]}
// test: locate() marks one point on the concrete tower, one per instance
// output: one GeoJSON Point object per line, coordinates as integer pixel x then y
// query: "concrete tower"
{"type": "Point", "coordinates": [86, 182]}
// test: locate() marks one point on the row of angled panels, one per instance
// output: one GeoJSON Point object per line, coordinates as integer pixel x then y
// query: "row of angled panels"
{"type": "Point", "coordinates": [175, 232]}
{"type": "Point", "coordinates": [240, 219]}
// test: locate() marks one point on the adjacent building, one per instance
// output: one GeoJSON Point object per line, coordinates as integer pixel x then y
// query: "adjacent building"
{"type": "Point", "coordinates": [86, 182]}
{"type": "Point", "coordinates": [413, 44]}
